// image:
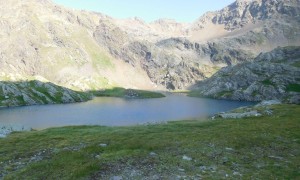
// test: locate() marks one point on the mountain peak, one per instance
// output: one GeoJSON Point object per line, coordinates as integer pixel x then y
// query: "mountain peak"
{"type": "Point", "coordinates": [242, 12]}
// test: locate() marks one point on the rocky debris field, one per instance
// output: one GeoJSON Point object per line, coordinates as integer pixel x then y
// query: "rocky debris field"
{"type": "Point", "coordinates": [272, 75]}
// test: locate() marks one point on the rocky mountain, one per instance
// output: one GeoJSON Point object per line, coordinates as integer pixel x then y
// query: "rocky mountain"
{"type": "Point", "coordinates": [83, 50]}
{"type": "Point", "coordinates": [40, 38]}
{"type": "Point", "coordinates": [230, 36]}
{"type": "Point", "coordinates": [271, 75]}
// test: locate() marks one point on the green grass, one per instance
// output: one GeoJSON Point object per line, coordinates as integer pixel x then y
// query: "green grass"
{"type": "Point", "coordinates": [181, 91]}
{"type": "Point", "coordinates": [255, 93]}
{"type": "Point", "coordinates": [293, 87]}
{"type": "Point", "coordinates": [225, 94]}
{"type": "Point", "coordinates": [21, 101]}
{"type": "Point", "coordinates": [99, 58]}
{"type": "Point", "coordinates": [218, 95]}
{"type": "Point", "coordinates": [122, 92]}
{"type": "Point", "coordinates": [267, 82]}
{"type": "Point", "coordinates": [296, 64]}
{"type": "Point", "coordinates": [194, 94]}
{"type": "Point", "coordinates": [256, 148]}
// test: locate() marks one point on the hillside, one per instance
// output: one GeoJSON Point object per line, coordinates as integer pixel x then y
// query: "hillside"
{"type": "Point", "coordinates": [271, 75]}
{"type": "Point", "coordinates": [40, 38]}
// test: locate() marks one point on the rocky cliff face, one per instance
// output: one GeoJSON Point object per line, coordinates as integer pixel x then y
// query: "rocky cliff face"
{"type": "Point", "coordinates": [233, 35]}
{"type": "Point", "coordinates": [272, 75]}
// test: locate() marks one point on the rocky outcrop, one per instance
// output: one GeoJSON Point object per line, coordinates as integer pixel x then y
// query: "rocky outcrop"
{"type": "Point", "coordinates": [263, 108]}
{"type": "Point", "coordinates": [37, 92]}
{"type": "Point", "coordinates": [232, 115]}
{"type": "Point", "coordinates": [272, 75]}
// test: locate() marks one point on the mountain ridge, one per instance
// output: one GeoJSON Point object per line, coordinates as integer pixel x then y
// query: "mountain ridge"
{"type": "Point", "coordinates": [84, 50]}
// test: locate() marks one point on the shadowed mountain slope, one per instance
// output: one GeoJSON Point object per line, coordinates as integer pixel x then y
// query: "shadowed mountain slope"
{"type": "Point", "coordinates": [272, 75]}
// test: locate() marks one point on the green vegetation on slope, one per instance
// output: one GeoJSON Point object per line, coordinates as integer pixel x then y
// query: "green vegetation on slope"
{"type": "Point", "coordinates": [36, 92]}
{"type": "Point", "coordinates": [293, 87]}
{"type": "Point", "coordinates": [267, 82]}
{"type": "Point", "coordinates": [127, 93]}
{"type": "Point", "coordinates": [258, 147]}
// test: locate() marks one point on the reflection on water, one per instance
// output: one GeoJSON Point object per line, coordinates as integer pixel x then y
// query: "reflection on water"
{"type": "Point", "coordinates": [116, 111]}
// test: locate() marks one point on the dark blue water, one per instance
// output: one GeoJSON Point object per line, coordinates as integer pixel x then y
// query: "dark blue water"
{"type": "Point", "coordinates": [116, 111]}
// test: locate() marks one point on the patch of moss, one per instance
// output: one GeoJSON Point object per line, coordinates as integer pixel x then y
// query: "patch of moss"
{"type": "Point", "coordinates": [225, 94]}
{"type": "Point", "coordinates": [255, 93]}
{"type": "Point", "coordinates": [293, 87]}
{"type": "Point", "coordinates": [267, 82]}
{"type": "Point", "coordinates": [2, 98]}
{"type": "Point", "coordinates": [58, 96]}
{"type": "Point", "coordinates": [296, 64]}
{"type": "Point", "coordinates": [20, 100]}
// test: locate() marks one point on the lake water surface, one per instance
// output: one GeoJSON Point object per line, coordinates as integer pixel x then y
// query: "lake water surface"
{"type": "Point", "coordinates": [109, 111]}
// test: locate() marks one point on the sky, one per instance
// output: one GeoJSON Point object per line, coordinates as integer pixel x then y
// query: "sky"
{"type": "Point", "coordinates": [149, 10]}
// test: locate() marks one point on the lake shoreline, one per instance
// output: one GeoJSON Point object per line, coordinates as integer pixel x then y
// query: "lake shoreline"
{"type": "Point", "coordinates": [179, 148]}
{"type": "Point", "coordinates": [8, 129]}
{"type": "Point", "coordinates": [111, 111]}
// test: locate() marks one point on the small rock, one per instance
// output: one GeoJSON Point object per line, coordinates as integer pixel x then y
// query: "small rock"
{"type": "Point", "coordinates": [203, 168]}
{"type": "Point", "coordinates": [152, 154]}
{"type": "Point", "coordinates": [97, 156]}
{"type": "Point", "coordinates": [276, 157]}
{"type": "Point", "coordinates": [103, 145]}
{"type": "Point", "coordinates": [6, 97]}
{"type": "Point", "coordinates": [116, 178]}
{"type": "Point", "coordinates": [268, 112]}
{"type": "Point", "coordinates": [229, 149]}
{"type": "Point", "coordinates": [212, 168]}
{"type": "Point", "coordinates": [236, 173]}
{"type": "Point", "coordinates": [180, 169]}
{"type": "Point", "coordinates": [225, 160]}
{"type": "Point", "coordinates": [186, 158]}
